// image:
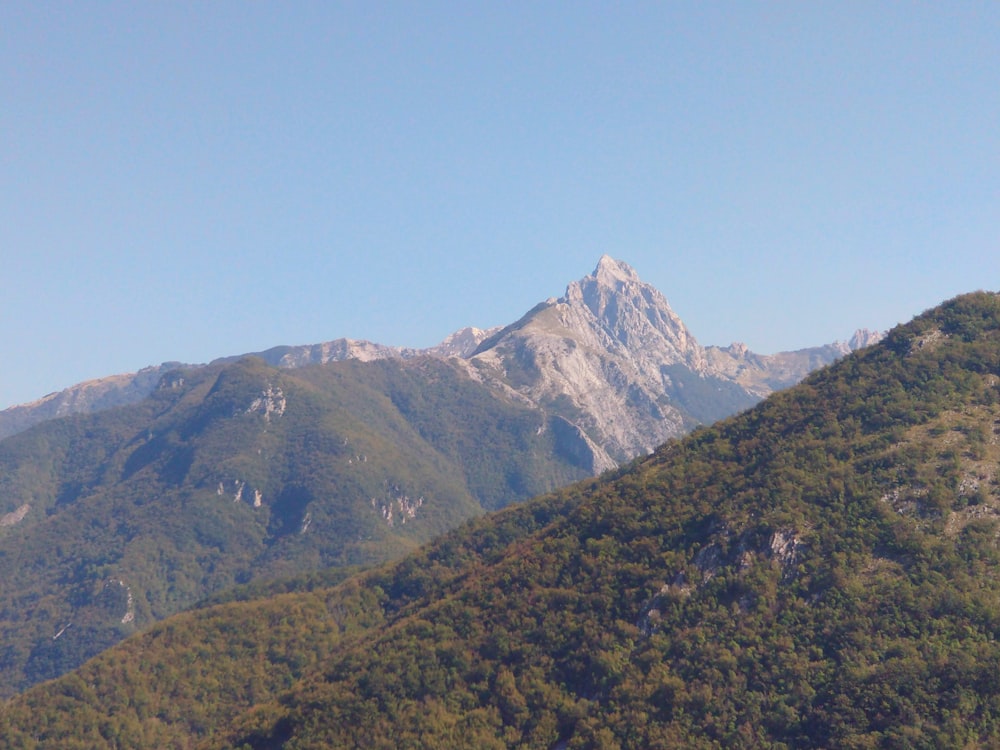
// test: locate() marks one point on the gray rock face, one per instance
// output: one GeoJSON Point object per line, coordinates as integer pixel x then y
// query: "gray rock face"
{"type": "Point", "coordinates": [864, 337]}
{"type": "Point", "coordinates": [612, 357]}
{"type": "Point", "coordinates": [597, 356]}
{"type": "Point", "coordinates": [632, 317]}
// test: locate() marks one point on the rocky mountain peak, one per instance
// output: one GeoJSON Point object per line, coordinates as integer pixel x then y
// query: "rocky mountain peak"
{"type": "Point", "coordinates": [602, 356]}
{"type": "Point", "coordinates": [610, 356]}
{"type": "Point", "coordinates": [611, 272]}
{"type": "Point", "coordinates": [632, 313]}
{"type": "Point", "coordinates": [614, 359]}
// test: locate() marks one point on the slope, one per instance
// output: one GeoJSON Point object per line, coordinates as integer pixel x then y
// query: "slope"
{"type": "Point", "coordinates": [612, 357]}
{"type": "Point", "coordinates": [820, 571]}
{"type": "Point", "coordinates": [243, 472]}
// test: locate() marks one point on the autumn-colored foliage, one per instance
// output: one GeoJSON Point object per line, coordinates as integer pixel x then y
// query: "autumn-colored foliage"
{"type": "Point", "coordinates": [820, 571]}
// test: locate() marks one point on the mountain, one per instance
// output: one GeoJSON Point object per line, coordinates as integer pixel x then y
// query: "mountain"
{"type": "Point", "coordinates": [239, 472]}
{"type": "Point", "coordinates": [84, 398]}
{"type": "Point", "coordinates": [611, 356]}
{"type": "Point", "coordinates": [628, 333]}
{"type": "Point", "coordinates": [762, 374]}
{"type": "Point", "coordinates": [341, 454]}
{"type": "Point", "coordinates": [818, 571]}
{"type": "Point", "coordinates": [130, 388]}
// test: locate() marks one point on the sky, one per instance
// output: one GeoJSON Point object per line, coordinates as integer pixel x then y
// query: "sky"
{"type": "Point", "coordinates": [184, 181]}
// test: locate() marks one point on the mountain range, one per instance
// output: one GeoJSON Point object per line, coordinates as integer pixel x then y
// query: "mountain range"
{"type": "Point", "coordinates": [153, 491]}
{"type": "Point", "coordinates": [821, 570]}
{"type": "Point", "coordinates": [609, 328]}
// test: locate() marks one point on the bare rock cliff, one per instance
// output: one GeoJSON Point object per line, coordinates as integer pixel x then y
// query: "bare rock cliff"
{"type": "Point", "coordinates": [612, 357]}
{"type": "Point", "coordinates": [597, 357]}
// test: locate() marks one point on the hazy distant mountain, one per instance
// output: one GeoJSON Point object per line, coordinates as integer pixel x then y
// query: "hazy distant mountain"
{"type": "Point", "coordinates": [459, 344]}
{"type": "Point", "coordinates": [129, 388]}
{"type": "Point", "coordinates": [762, 374]}
{"type": "Point", "coordinates": [821, 571]}
{"type": "Point", "coordinates": [89, 396]}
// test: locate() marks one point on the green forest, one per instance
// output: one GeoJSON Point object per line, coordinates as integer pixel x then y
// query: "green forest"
{"type": "Point", "coordinates": [820, 571]}
{"type": "Point", "coordinates": [241, 473]}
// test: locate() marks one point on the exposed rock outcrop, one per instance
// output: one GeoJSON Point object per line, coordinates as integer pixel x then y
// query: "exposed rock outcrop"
{"type": "Point", "coordinates": [611, 356]}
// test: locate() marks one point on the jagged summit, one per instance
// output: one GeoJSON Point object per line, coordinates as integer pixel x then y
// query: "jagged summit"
{"type": "Point", "coordinates": [634, 313]}
{"type": "Point", "coordinates": [610, 271]}
{"type": "Point", "coordinates": [610, 356]}
{"type": "Point", "coordinates": [614, 358]}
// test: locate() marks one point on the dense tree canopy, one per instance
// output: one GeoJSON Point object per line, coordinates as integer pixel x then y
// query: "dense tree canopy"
{"type": "Point", "coordinates": [821, 571]}
{"type": "Point", "coordinates": [241, 472]}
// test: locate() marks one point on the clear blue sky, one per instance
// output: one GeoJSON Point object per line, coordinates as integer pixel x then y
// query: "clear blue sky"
{"type": "Point", "coordinates": [183, 181]}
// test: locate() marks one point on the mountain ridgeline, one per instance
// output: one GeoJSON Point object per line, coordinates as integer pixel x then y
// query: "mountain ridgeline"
{"type": "Point", "coordinates": [609, 331]}
{"type": "Point", "coordinates": [339, 454]}
{"type": "Point", "coordinates": [819, 571]}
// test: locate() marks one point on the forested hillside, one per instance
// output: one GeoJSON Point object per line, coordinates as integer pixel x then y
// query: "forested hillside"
{"type": "Point", "coordinates": [347, 453]}
{"type": "Point", "coordinates": [821, 571]}
{"type": "Point", "coordinates": [245, 472]}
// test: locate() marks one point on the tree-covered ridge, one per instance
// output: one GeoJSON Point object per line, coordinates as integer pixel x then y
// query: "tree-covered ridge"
{"type": "Point", "coordinates": [179, 681]}
{"type": "Point", "coordinates": [821, 571]}
{"type": "Point", "coordinates": [240, 473]}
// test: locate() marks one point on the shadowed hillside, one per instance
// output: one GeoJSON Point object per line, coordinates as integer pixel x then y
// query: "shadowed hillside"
{"type": "Point", "coordinates": [244, 472]}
